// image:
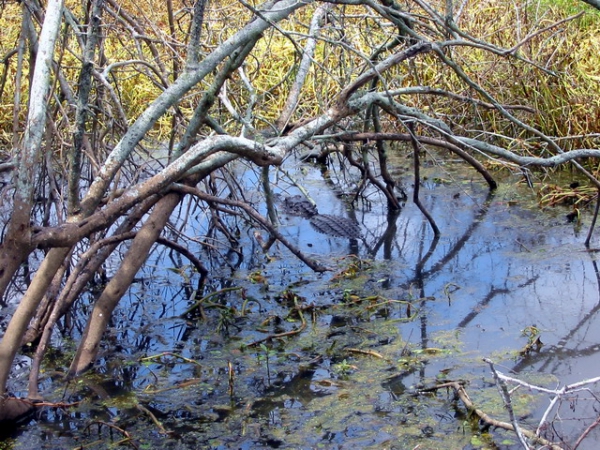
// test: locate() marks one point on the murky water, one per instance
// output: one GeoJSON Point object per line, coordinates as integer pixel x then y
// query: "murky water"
{"type": "Point", "coordinates": [398, 310]}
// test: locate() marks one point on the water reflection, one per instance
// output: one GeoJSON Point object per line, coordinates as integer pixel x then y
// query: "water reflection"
{"type": "Point", "coordinates": [497, 269]}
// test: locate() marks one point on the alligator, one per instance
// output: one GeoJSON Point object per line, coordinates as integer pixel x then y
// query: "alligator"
{"type": "Point", "coordinates": [337, 226]}
{"type": "Point", "coordinates": [298, 205]}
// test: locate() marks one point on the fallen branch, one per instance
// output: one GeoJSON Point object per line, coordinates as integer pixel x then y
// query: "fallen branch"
{"type": "Point", "coordinates": [161, 428]}
{"type": "Point", "coordinates": [458, 387]}
{"type": "Point", "coordinates": [503, 389]}
{"type": "Point", "coordinates": [558, 393]}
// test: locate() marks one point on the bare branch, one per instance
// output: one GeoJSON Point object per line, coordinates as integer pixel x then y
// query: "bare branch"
{"type": "Point", "coordinates": [507, 403]}
{"type": "Point", "coordinates": [307, 58]}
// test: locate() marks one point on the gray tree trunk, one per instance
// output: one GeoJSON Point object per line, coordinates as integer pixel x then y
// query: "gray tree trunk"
{"type": "Point", "coordinates": [17, 244]}
{"type": "Point", "coordinates": [134, 259]}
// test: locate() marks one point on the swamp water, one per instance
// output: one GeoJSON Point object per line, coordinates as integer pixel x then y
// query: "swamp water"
{"type": "Point", "coordinates": [398, 313]}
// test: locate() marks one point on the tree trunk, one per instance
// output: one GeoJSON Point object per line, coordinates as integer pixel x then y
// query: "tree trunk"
{"type": "Point", "coordinates": [16, 246]}
{"type": "Point", "coordinates": [11, 341]}
{"type": "Point", "coordinates": [83, 97]}
{"type": "Point", "coordinates": [118, 285]}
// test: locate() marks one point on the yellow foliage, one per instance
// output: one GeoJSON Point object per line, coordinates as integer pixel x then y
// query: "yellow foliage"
{"type": "Point", "coordinates": [565, 101]}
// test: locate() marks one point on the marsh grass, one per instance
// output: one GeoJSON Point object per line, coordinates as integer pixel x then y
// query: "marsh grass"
{"type": "Point", "coordinates": [564, 97]}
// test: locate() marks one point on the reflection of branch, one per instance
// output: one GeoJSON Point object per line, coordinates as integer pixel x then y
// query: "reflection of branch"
{"type": "Point", "coordinates": [564, 353]}
{"type": "Point", "coordinates": [594, 219]}
{"type": "Point", "coordinates": [387, 238]}
{"type": "Point", "coordinates": [551, 352]}
{"type": "Point", "coordinates": [416, 200]}
{"type": "Point", "coordinates": [477, 221]}
{"type": "Point", "coordinates": [314, 265]}
{"type": "Point", "coordinates": [480, 306]}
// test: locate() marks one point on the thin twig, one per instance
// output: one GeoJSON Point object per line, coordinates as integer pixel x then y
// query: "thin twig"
{"type": "Point", "coordinates": [464, 397]}
{"type": "Point", "coordinates": [507, 403]}
{"type": "Point", "coordinates": [161, 428]}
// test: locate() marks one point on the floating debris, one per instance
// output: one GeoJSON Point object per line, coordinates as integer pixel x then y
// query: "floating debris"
{"type": "Point", "coordinates": [336, 226]}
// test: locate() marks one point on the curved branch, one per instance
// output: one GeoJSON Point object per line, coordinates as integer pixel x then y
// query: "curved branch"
{"type": "Point", "coordinates": [172, 94]}
{"type": "Point", "coordinates": [394, 60]}
{"type": "Point", "coordinates": [416, 199]}
{"type": "Point", "coordinates": [118, 64]}
{"type": "Point", "coordinates": [471, 407]}
{"type": "Point", "coordinates": [70, 232]}
{"type": "Point", "coordinates": [551, 161]}
{"type": "Point", "coordinates": [425, 140]}
{"type": "Point", "coordinates": [189, 255]}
